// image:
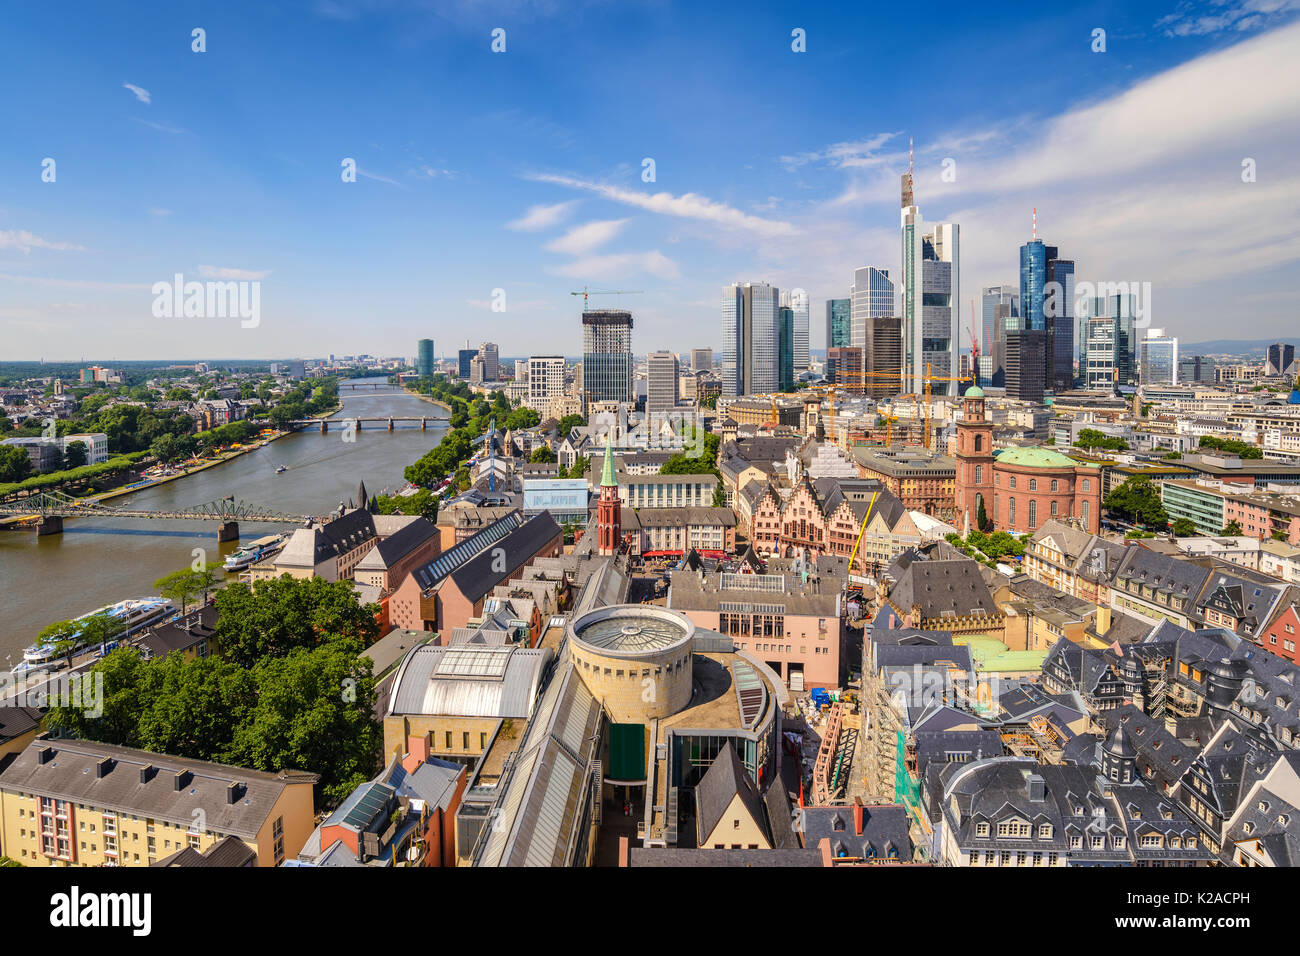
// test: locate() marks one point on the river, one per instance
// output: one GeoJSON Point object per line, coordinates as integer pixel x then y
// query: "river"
{"type": "Point", "coordinates": [98, 561]}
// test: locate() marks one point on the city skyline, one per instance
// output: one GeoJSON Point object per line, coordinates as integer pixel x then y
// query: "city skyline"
{"type": "Point", "coordinates": [189, 178]}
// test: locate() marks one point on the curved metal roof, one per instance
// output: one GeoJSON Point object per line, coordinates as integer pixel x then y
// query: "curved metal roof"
{"type": "Point", "coordinates": [469, 681]}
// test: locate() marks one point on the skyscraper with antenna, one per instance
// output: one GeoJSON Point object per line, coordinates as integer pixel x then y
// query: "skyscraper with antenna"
{"type": "Point", "coordinates": [931, 284]}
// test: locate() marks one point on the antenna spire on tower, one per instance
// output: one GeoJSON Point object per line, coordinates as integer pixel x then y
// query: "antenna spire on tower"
{"type": "Point", "coordinates": [1035, 222]}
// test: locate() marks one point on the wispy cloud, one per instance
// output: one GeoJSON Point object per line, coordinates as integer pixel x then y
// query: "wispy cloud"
{"type": "Point", "coordinates": [140, 92]}
{"type": "Point", "coordinates": [1207, 17]}
{"type": "Point", "coordinates": [583, 239]}
{"type": "Point", "coordinates": [685, 206]}
{"type": "Point", "coordinates": [162, 127]}
{"type": "Point", "coordinates": [25, 242]}
{"type": "Point", "coordinates": [380, 179]}
{"type": "Point", "coordinates": [617, 266]}
{"type": "Point", "coordinates": [542, 217]}
{"type": "Point", "coordinates": [847, 155]}
{"type": "Point", "coordinates": [222, 272]}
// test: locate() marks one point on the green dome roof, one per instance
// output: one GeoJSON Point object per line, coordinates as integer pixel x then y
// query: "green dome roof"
{"type": "Point", "coordinates": [974, 392]}
{"type": "Point", "coordinates": [1035, 458]}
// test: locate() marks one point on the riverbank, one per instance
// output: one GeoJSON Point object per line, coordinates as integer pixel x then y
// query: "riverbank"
{"type": "Point", "coordinates": [428, 398]}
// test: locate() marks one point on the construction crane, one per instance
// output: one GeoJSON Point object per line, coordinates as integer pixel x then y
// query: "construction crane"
{"type": "Point", "coordinates": [925, 433]}
{"type": "Point", "coordinates": [586, 292]}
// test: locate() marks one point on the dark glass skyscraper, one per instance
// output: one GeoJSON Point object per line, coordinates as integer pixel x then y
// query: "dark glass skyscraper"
{"type": "Point", "coordinates": [1047, 305]}
{"type": "Point", "coordinates": [785, 349]}
{"type": "Point", "coordinates": [424, 358]}
{"type": "Point", "coordinates": [464, 357]}
{"type": "Point", "coordinates": [838, 315]}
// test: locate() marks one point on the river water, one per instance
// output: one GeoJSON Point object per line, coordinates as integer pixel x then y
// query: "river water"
{"type": "Point", "coordinates": [98, 561]}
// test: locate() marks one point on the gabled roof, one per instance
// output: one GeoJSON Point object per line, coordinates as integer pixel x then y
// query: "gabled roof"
{"type": "Point", "coordinates": [950, 587]}
{"type": "Point", "coordinates": [725, 780]}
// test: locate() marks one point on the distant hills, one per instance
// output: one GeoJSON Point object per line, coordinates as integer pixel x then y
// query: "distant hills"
{"type": "Point", "coordinates": [1232, 346]}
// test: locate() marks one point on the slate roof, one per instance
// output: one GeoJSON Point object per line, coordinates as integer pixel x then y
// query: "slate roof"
{"type": "Point", "coordinates": [683, 857]}
{"type": "Point", "coordinates": [1274, 823]}
{"type": "Point", "coordinates": [1162, 758]}
{"type": "Point", "coordinates": [431, 574]}
{"type": "Point", "coordinates": [308, 547]}
{"type": "Point", "coordinates": [398, 545]}
{"type": "Point", "coordinates": [725, 779]}
{"type": "Point", "coordinates": [884, 831]}
{"type": "Point", "coordinates": [944, 588]}
{"type": "Point", "coordinates": [69, 773]}
{"type": "Point", "coordinates": [480, 574]}
{"type": "Point", "coordinates": [162, 639]}
{"type": "Point", "coordinates": [229, 851]}
{"type": "Point", "coordinates": [16, 721]}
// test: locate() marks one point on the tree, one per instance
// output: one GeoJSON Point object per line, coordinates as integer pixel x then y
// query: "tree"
{"type": "Point", "coordinates": [1232, 530]}
{"type": "Point", "coordinates": [14, 463]}
{"type": "Point", "coordinates": [719, 496]}
{"type": "Point", "coordinates": [61, 636]}
{"type": "Point", "coordinates": [181, 585]}
{"type": "Point", "coordinates": [981, 516]}
{"type": "Point", "coordinates": [542, 455]}
{"type": "Point", "coordinates": [1137, 500]}
{"type": "Point", "coordinates": [1090, 438]}
{"type": "Point", "coordinates": [568, 423]}
{"type": "Point", "coordinates": [1184, 527]}
{"type": "Point", "coordinates": [273, 618]}
{"type": "Point", "coordinates": [75, 455]}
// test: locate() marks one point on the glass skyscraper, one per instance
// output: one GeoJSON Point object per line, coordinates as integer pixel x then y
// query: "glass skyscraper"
{"type": "Point", "coordinates": [786, 349]}
{"type": "Point", "coordinates": [424, 358]}
{"type": "Point", "coordinates": [1159, 361]}
{"type": "Point", "coordinates": [838, 322]}
{"type": "Point", "coordinates": [1047, 305]}
{"type": "Point", "coordinates": [750, 338]}
{"type": "Point", "coordinates": [607, 356]}
{"type": "Point", "coordinates": [797, 301]}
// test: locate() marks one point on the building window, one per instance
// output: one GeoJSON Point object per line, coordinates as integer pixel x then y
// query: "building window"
{"type": "Point", "coordinates": [1011, 510]}
{"type": "Point", "coordinates": [1012, 481]}
{"type": "Point", "coordinates": [1087, 485]}
{"type": "Point", "coordinates": [1033, 484]}
{"type": "Point", "coordinates": [979, 474]}
{"type": "Point", "coordinates": [1083, 512]}
{"type": "Point", "coordinates": [1033, 513]}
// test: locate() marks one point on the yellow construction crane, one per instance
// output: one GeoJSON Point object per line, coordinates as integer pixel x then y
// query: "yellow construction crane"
{"type": "Point", "coordinates": [863, 530]}
{"type": "Point", "coordinates": [925, 433]}
{"type": "Point", "coordinates": [586, 292]}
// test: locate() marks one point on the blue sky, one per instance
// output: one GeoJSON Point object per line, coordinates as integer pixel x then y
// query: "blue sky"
{"type": "Point", "coordinates": [522, 170]}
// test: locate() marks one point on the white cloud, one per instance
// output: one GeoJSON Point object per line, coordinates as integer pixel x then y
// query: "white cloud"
{"type": "Point", "coordinates": [161, 127]}
{"type": "Point", "coordinates": [583, 239]}
{"type": "Point", "coordinates": [140, 92]}
{"type": "Point", "coordinates": [25, 242]}
{"type": "Point", "coordinates": [221, 272]}
{"type": "Point", "coordinates": [379, 179]}
{"type": "Point", "coordinates": [542, 217]}
{"type": "Point", "coordinates": [1216, 16]}
{"type": "Point", "coordinates": [686, 206]}
{"type": "Point", "coordinates": [617, 266]}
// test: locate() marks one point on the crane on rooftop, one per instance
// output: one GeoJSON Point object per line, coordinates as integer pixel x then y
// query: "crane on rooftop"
{"type": "Point", "coordinates": [589, 292]}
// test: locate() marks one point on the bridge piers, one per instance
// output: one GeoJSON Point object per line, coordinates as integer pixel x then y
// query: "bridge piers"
{"type": "Point", "coordinates": [324, 426]}
{"type": "Point", "coordinates": [229, 531]}
{"type": "Point", "coordinates": [50, 524]}
{"type": "Point", "coordinates": [424, 424]}
{"type": "Point", "coordinates": [390, 424]}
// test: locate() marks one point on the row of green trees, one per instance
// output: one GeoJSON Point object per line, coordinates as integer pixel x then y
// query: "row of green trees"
{"type": "Point", "coordinates": [1232, 446]}
{"type": "Point", "coordinates": [471, 416]}
{"type": "Point", "coordinates": [288, 689]}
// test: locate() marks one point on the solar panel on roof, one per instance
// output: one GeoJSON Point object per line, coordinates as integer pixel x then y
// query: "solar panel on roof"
{"type": "Point", "coordinates": [373, 803]}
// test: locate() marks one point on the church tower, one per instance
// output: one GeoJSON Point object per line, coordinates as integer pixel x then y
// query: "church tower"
{"type": "Point", "coordinates": [609, 508]}
{"type": "Point", "coordinates": [974, 460]}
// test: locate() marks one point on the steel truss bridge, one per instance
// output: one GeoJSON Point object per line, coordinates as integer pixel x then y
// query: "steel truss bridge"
{"type": "Point", "coordinates": [53, 506]}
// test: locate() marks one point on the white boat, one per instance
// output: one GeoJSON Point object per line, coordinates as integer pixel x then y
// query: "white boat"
{"type": "Point", "coordinates": [133, 613]}
{"type": "Point", "coordinates": [253, 552]}
{"type": "Point", "coordinates": [281, 470]}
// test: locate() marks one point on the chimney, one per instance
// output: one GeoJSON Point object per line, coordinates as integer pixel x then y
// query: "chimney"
{"type": "Point", "coordinates": [146, 773]}
{"type": "Point", "coordinates": [179, 779]}
{"type": "Point", "coordinates": [103, 767]}
{"type": "Point", "coordinates": [1037, 788]}
{"type": "Point", "coordinates": [417, 752]}
{"type": "Point", "coordinates": [233, 790]}
{"type": "Point", "coordinates": [858, 815]}
{"type": "Point", "coordinates": [44, 754]}
{"type": "Point", "coordinates": [1103, 619]}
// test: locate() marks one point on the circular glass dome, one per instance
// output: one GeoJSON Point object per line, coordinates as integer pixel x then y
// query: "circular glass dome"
{"type": "Point", "coordinates": [631, 629]}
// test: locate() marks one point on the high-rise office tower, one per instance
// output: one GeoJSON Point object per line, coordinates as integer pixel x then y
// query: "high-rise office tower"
{"type": "Point", "coordinates": [1278, 359]}
{"type": "Point", "coordinates": [1026, 364]}
{"type": "Point", "coordinates": [785, 365]}
{"type": "Point", "coordinates": [839, 313]}
{"type": "Point", "coordinates": [1195, 370]}
{"type": "Point", "coordinates": [870, 295]}
{"type": "Point", "coordinates": [661, 382]}
{"type": "Point", "coordinates": [491, 361]}
{"type": "Point", "coordinates": [1159, 358]}
{"type": "Point", "coordinates": [844, 368]}
{"type": "Point", "coordinates": [797, 301]}
{"type": "Point", "coordinates": [1047, 304]}
{"type": "Point", "coordinates": [702, 360]}
{"type": "Point", "coordinates": [424, 358]}
{"type": "Point", "coordinates": [1111, 359]}
{"type": "Point", "coordinates": [882, 356]}
{"type": "Point", "coordinates": [931, 297]}
{"type": "Point", "coordinates": [545, 380]}
{"type": "Point", "coordinates": [1000, 305]}
{"type": "Point", "coordinates": [463, 359]}
{"type": "Point", "coordinates": [521, 370]}
{"type": "Point", "coordinates": [750, 338]}
{"type": "Point", "coordinates": [607, 356]}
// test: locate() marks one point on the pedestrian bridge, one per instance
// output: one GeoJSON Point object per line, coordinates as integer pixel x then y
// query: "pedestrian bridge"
{"type": "Point", "coordinates": [51, 507]}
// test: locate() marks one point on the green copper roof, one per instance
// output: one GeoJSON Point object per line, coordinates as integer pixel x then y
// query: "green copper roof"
{"type": "Point", "coordinates": [1036, 458]}
{"type": "Point", "coordinates": [974, 392]}
{"type": "Point", "coordinates": [607, 475]}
